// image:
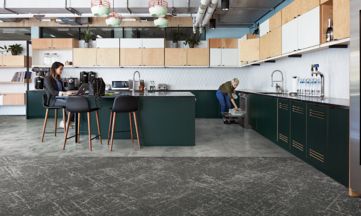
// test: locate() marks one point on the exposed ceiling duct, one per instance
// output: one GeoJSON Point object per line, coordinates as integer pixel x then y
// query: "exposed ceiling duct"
{"type": "Point", "coordinates": [204, 14]}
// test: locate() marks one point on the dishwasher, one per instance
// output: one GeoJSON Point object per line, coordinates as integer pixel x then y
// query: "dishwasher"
{"type": "Point", "coordinates": [241, 116]}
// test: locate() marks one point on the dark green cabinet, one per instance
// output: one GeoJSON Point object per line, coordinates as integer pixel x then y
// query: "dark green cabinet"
{"type": "Point", "coordinates": [298, 129]}
{"type": "Point", "coordinates": [283, 123]}
{"type": "Point", "coordinates": [263, 115]}
{"type": "Point", "coordinates": [337, 144]}
{"type": "Point", "coordinates": [317, 135]}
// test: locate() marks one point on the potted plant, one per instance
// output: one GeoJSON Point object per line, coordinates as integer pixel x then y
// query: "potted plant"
{"type": "Point", "coordinates": [15, 49]}
{"type": "Point", "coordinates": [87, 37]}
{"type": "Point", "coordinates": [176, 37]}
{"type": "Point", "coordinates": [192, 41]}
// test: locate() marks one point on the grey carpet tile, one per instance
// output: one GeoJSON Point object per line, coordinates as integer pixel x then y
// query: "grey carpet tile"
{"type": "Point", "coordinates": [169, 186]}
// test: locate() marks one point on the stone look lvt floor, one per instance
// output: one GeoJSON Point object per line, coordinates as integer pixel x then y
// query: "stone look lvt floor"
{"type": "Point", "coordinates": [231, 171]}
{"type": "Point", "coordinates": [168, 186]}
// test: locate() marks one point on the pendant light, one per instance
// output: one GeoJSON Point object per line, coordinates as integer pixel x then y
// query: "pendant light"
{"type": "Point", "coordinates": [100, 7]}
{"type": "Point", "coordinates": [161, 22]}
{"type": "Point", "coordinates": [158, 8]}
{"type": "Point", "coordinates": [114, 19]}
{"type": "Point", "coordinates": [225, 5]}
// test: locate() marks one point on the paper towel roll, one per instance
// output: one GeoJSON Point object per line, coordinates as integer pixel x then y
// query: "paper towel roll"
{"type": "Point", "coordinates": [294, 84]}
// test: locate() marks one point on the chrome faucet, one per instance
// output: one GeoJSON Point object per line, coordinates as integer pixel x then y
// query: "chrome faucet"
{"type": "Point", "coordinates": [314, 71]}
{"type": "Point", "coordinates": [135, 72]}
{"type": "Point", "coordinates": [278, 87]}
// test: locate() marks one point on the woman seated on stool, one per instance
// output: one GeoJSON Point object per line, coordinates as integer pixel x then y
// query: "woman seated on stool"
{"type": "Point", "coordinates": [225, 97]}
{"type": "Point", "coordinates": [54, 86]}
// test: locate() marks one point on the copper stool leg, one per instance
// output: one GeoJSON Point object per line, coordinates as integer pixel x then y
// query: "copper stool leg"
{"type": "Point", "coordinates": [98, 126]}
{"type": "Point", "coordinates": [55, 121]}
{"type": "Point", "coordinates": [113, 127]}
{"type": "Point", "coordinates": [110, 126]}
{"type": "Point", "coordinates": [89, 133]}
{"type": "Point", "coordinates": [44, 124]}
{"type": "Point", "coordinates": [136, 129]}
{"type": "Point", "coordinates": [131, 127]}
{"type": "Point", "coordinates": [67, 130]}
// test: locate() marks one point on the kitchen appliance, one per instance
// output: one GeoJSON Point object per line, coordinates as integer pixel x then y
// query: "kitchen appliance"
{"type": "Point", "coordinates": [162, 87]}
{"type": "Point", "coordinates": [40, 74]}
{"type": "Point", "coordinates": [354, 147]}
{"type": "Point", "coordinates": [243, 107]}
{"type": "Point", "coordinates": [120, 85]}
{"type": "Point", "coordinates": [71, 84]}
{"type": "Point", "coordinates": [91, 76]}
{"type": "Point", "coordinates": [84, 77]}
{"type": "Point", "coordinates": [152, 86]}
{"type": "Point", "coordinates": [294, 86]}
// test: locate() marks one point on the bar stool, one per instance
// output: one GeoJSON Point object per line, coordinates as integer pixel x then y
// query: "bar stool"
{"type": "Point", "coordinates": [124, 104]}
{"type": "Point", "coordinates": [77, 105]}
{"type": "Point", "coordinates": [47, 108]}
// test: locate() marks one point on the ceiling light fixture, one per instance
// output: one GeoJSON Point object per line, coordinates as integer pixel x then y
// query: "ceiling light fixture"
{"type": "Point", "coordinates": [100, 7]}
{"type": "Point", "coordinates": [158, 8]}
{"type": "Point", "coordinates": [114, 19]}
{"type": "Point", "coordinates": [161, 22]}
{"type": "Point", "coordinates": [225, 5]}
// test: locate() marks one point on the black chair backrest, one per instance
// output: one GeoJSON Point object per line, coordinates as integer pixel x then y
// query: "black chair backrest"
{"type": "Point", "coordinates": [77, 104]}
{"type": "Point", "coordinates": [125, 104]}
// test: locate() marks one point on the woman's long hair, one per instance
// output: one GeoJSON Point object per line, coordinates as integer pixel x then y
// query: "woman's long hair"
{"type": "Point", "coordinates": [53, 68]}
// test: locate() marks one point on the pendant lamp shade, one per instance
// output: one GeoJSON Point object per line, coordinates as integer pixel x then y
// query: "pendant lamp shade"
{"type": "Point", "coordinates": [100, 7]}
{"type": "Point", "coordinates": [113, 20]}
{"type": "Point", "coordinates": [161, 22]}
{"type": "Point", "coordinates": [158, 8]}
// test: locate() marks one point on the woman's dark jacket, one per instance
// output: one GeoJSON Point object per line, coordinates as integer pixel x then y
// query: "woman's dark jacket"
{"type": "Point", "coordinates": [52, 90]}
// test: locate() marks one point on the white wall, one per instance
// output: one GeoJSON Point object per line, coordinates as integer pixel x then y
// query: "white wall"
{"type": "Point", "coordinates": [334, 63]}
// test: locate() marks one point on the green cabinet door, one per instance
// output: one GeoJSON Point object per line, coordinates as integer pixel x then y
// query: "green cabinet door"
{"type": "Point", "coordinates": [267, 122]}
{"type": "Point", "coordinates": [298, 129]}
{"type": "Point", "coordinates": [34, 105]}
{"type": "Point", "coordinates": [317, 135]}
{"type": "Point", "coordinates": [252, 110]}
{"type": "Point", "coordinates": [337, 152]}
{"type": "Point", "coordinates": [283, 134]}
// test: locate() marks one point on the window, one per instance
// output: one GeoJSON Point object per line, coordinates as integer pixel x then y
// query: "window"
{"type": "Point", "coordinates": [60, 32]}
{"type": "Point", "coordinates": [15, 34]}
{"type": "Point", "coordinates": [151, 32]}
{"type": "Point", "coordinates": [182, 33]}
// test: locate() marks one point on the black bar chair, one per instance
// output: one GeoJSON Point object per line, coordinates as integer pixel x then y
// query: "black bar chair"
{"type": "Point", "coordinates": [77, 105]}
{"type": "Point", "coordinates": [124, 104]}
{"type": "Point", "coordinates": [47, 108]}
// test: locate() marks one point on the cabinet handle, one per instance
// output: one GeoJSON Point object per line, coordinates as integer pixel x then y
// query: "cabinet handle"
{"type": "Point", "coordinates": [316, 155]}
{"type": "Point", "coordinates": [297, 145]}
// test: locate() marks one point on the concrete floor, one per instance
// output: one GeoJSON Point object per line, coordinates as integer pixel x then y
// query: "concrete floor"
{"type": "Point", "coordinates": [213, 139]}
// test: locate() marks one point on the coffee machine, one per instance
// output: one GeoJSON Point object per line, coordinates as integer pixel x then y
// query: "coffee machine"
{"type": "Point", "coordinates": [86, 77]}
{"type": "Point", "coordinates": [71, 84]}
{"type": "Point", "coordinates": [40, 74]}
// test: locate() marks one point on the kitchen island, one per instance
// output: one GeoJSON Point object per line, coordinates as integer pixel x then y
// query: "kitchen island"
{"type": "Point", "coordinates": [165, 118]}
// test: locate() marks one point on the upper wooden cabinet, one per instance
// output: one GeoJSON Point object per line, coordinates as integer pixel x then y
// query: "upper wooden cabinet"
{"type": "Point", "coordinates": [275, 21]}
{"type": "Point", "coordinates": [271, 44]}
{"type": "Point", "coordinates": [108, 57]}
{"type": "Point", "coordinates": [89, 57]}
{"type": "Point", "coordinates": [198, 57]}
{"type": "Point", "coordinates": [54, 43]}
{"type": "Point", "coordinates": [249, 50]}
{"type": "Point", "coordinates": [84, 57]}
{"type": "Point", "coordinates": [13, 61]}
{"type": "Point", "coordinates": [291, 11]}
{"type": "Point", "coordinates": [153, 57]}
{"type": "Point", "coordinates": [176, 56]}
{"type": "Point", "coordinates": [223, 43]}
{"type": "Point", "coordinates": [297, 8]}
{"type": "Point", "coordinates": [341, 19]}
{"type": "Point", "coordinates": [142, 57]}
